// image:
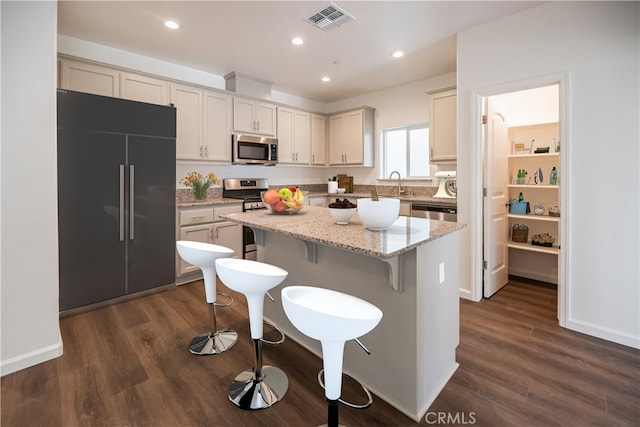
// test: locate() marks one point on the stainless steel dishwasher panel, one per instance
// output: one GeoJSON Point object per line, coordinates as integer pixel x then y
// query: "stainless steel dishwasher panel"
{"type": "Point", "coordinates": [434, 211]}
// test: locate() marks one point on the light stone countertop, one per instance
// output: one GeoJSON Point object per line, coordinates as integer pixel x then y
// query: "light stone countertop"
{"type": "Point", "coordinates": [315, 224]}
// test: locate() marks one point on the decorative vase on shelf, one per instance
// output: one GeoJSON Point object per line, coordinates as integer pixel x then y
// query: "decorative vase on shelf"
{"type": "Point", "coordinates": [199, 183]}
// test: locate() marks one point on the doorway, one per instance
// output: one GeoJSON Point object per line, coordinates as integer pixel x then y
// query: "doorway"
{"type": "Point", "coordinates": [518, 123]}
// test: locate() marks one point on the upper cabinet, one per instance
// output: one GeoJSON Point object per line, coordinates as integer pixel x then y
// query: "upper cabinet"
{"type": "Point", "coordinates": [443, 126]}
{"type": "Point", "coordinates": [89, 78]}
{"type": "Point", "coordinates": [144, 89]}
{"type": "Point", "coordinates": [351, 138]}
{"type": "Point", "coordinates": [318, 140]}
{"type": "Point", "coordinates": [254, 117]}
{"type": "Point", "coordinates": [294, 136]}
{"type": "Point", "coordinates": [188, 102]}
{"type": "Point", "coordinates": [217, 126]}
{"type": "Point", "coordinates": [203, 124]}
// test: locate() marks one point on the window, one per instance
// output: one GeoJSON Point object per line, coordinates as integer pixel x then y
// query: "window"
{"type": "Point", "coordinates": [406, 150]}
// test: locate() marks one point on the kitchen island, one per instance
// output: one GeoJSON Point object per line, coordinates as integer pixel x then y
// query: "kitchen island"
{"type": "Point", "coordinates": [410, 271]}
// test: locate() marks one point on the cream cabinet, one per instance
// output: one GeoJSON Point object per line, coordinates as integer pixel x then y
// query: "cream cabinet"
{"type": "Point", "coordinates": [188, 102]}
{"type": "Point", "coordinates": [203, 124]}
{"type": "Point", "coordinates": [254, 117]}
{"type": "Point", "coordinates": [443, 113]}
{"type": "Point", "coordinates": [318, 140]}
{"type": "Point", "coordinates": [217, 126]}
{"type": "Point", "coordinates": [351, 137]}
{"type": "Point", "coordinates": [141, 88]}
{"type": "Point", "coordinates": [89, 78]}
{"type": "Point", "coordinates": [294, 136]}
{"type": "Point", "coordinates": [204, 224]}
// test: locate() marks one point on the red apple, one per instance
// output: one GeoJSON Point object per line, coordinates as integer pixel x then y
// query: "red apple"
{"type": "Point", "coordinates": [271, 197]}
{"type": "Point", "coordinates": [279, 206]}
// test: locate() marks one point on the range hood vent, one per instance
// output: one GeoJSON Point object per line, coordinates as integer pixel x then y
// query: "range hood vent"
{"type": "Point", "coordinates": [330, 18]}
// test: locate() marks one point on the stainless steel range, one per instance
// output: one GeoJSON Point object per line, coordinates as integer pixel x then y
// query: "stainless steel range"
{"type": "Point", "coordinates": [248, 190]}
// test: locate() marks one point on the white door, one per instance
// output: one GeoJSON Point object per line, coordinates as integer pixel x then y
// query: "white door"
{"type": "Point", "coordinates": [496, 222]}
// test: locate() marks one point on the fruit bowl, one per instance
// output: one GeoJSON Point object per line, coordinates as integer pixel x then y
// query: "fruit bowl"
{"type": "Point", "coordinates": [342, 210]}
{"type": "Point", "coordinates": [286, 201]}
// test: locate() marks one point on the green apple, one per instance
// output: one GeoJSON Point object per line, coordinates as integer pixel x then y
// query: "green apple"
{"type": "Point", "coordinates": [285, 193]}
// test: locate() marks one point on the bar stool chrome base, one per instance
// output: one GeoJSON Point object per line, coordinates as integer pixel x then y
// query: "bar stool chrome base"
{"type": "Point", "coordinates": [250, 393]}
{"type": "Point", "coordinates": [215, 343]}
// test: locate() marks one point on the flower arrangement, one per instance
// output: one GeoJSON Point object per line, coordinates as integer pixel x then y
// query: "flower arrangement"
{"type": "Point", "coordinates": [199, 183]}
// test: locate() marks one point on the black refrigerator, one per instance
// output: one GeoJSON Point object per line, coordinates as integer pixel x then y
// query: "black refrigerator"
{"type": "Point", "coordinates": [116, 197]}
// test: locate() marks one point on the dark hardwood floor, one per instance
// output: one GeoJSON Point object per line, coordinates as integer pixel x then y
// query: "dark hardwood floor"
{"type": "Point", "coordinates": [127, 365]}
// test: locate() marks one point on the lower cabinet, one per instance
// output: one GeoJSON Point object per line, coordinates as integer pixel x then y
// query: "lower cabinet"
{"type": "Point", "coordinates": [204, 224]}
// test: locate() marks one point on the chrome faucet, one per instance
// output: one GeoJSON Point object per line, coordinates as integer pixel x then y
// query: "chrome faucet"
{"type": "Point", "coordinates": [400, 190]}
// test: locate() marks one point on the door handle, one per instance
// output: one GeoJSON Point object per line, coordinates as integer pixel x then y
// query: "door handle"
{"type": "Point", "coordinates": [132, 172]}
{"type": "Point", "coordinates": [121, 205]}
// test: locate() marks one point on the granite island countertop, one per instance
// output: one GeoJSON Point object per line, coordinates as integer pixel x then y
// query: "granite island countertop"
{"type": "Point", "coordinates": [316, 225]}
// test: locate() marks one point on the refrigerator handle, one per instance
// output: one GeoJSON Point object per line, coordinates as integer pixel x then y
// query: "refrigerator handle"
{"type": "Point", "coordinates": [131, 197]}
{"type": "Point", "coordinates": [121, 207]}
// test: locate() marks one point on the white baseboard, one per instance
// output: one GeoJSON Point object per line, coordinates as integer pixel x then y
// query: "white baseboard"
{"type": "Point", "coordinates": [604, 333]}
{"type": "Point", "coordinates": [534, 275]}
{"type": "Point", "coordinates": [31, 358]}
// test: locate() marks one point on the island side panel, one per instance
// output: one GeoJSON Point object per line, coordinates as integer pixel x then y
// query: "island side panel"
{"type": "Point", "coordinates": [438, 316]}
{"type": "Point", "coordinates": [390, 371]}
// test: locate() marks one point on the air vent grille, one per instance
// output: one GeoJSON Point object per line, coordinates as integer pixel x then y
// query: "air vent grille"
{"type": "Point", "coordinates": [330, 17]}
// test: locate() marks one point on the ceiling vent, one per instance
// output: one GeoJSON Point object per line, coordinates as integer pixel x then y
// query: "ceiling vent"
{"type": "Point", "coordinates": [330, 18]}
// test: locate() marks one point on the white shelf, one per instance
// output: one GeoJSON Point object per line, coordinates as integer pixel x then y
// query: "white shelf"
{"type": "Point", "coordinates": [550, 187]}
{"type": "Point", "coordinates": [534, 155]}
{"type": "Point", "coordinates": [533, 248]}
{"type": "Point", "coordinates": [535, 217]}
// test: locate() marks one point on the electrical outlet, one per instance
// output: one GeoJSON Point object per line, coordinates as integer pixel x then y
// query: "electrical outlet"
{"type": "Point", "coordinates": [441, 272]}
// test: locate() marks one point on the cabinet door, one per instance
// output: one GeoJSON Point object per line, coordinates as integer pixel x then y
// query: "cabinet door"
{"type": "Point", "coordinates": [217, 126]}
{"type": "Point", "coordinates": [196, 233]}
{"type": "Point", "coordinates": [336, 139]}
{"type": "Point", "coordinates": [188, 102]}
{"type": "Point", "coordinates": [318, 141]}
{"type": "Point", "coordinates": [243, 115]}
{"type": "Point", "coordinates": [354, 137]}
{"type": "Point", "coordinates": [286, 151]}
{"type": "Point", "coordinates": [266, 118]}
{"type": "Point", "coordinates": [443, 127]}
{"type": "Point", "coordinates": [302, 136]}
{"type": "Point", "coordinates": [89, 78]}
{"type": "Point", "coordinates": [144, 89]}
{"type": "Point", "coordinates": [228, 234]}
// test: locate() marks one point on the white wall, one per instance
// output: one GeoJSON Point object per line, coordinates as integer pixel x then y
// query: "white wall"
{"type": "Point", "coordinates": [29, 225]}
{"type": "Point", "coordinates": [596, 45]}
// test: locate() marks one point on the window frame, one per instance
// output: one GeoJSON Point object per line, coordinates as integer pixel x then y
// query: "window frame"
{"type": "Point", "coordinates": [383, 149]}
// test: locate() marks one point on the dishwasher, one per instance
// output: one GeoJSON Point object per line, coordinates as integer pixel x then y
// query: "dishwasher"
{"type": "Point", "coordinates": [434, 211]}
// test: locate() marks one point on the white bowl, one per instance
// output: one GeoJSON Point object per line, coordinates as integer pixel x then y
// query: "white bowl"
{"type": "Point", "coordinates": [342, 216]}
{"type": "Point", "coordinates": [341, 190]}
{"type": "Point", "coordinates": [378, 215]}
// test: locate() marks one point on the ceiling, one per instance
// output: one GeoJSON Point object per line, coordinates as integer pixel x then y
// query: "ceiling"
{"type": "Point", "coordinates": [253, 37]}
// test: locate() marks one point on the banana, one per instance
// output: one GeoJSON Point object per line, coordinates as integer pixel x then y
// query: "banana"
{"type": "Point", "coordinates": [298, 196]}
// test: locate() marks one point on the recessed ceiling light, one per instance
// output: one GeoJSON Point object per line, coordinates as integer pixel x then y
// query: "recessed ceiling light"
{"type": "Point", "coordinates": [297, 41]}
{"type": "Point", "coordinates": [398, 54]}
{"type": "Point", "coordinates": [171, 24]}
{"type": "Point", "coordinates": [326, 79]}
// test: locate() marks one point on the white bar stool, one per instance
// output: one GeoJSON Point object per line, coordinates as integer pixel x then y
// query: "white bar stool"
{"type": "Point", "coordinates": [332, 318]}
{"type": "Point", "coordinates": [261, 386]}
{"type": "Point", "coordinates": [203, 256]}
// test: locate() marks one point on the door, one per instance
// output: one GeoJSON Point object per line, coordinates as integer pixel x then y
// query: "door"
{"type": "Point", "coordinates": [496, 222]}
{"type": "Point", "coordinates": [91, 226]}
{"type": "Point", "coordinates": [228, 234]}
{"type": "Point", "coordinates": [151, 212]}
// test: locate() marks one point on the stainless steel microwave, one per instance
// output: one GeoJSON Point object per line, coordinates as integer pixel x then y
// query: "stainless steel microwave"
{"type": "Point", "coordinates": [249, 149]}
